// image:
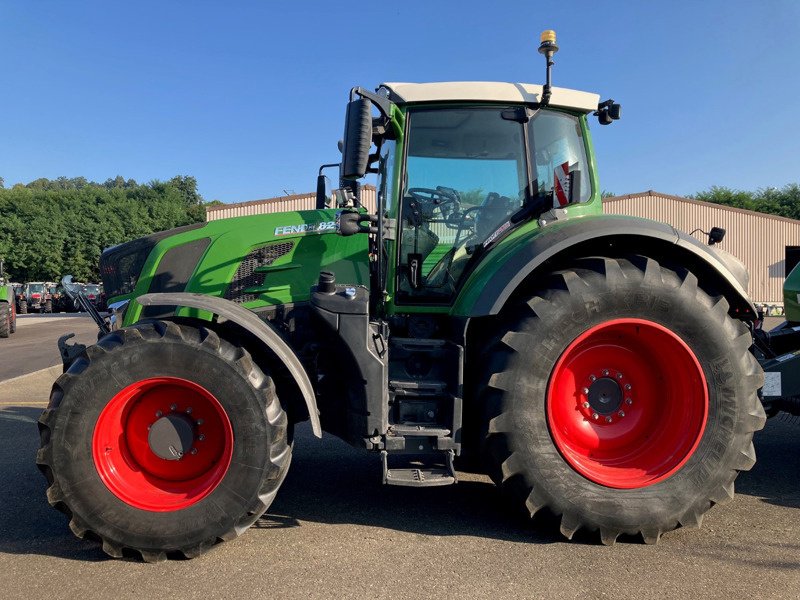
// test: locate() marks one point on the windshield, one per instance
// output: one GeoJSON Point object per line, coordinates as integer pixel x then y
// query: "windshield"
{"type": "Point", "coordinates": [466, 173]}
{"type": "Point", "coordinates": [91, 289]}
{"type": "Point", "coordinates": [36, 288]}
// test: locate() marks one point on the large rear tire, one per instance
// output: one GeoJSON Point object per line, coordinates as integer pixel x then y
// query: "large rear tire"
{"type": "Point", "coordinates": [5, 320]}
{"type": "Point", "coordinates": [163, 439]}
{"type": "Point", "coordinates": [23, 307]}
{"type": "Point", "coordinates": [623, 398]}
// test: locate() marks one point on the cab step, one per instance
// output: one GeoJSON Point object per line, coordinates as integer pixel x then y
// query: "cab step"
{"type": "Point", "coordinates": [416, 473]}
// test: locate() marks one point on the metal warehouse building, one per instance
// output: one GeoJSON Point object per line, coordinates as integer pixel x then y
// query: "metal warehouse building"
{"type": "Point", "coordinates": [280, 204]}
{"type": "Point", "coordinates": [767, 244]}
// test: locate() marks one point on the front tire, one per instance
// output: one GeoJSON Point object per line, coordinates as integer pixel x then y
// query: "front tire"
{"type": "Point", "coordinates": [163, 439]}
{"type": "Point", "coordinates": [623, 398]}
{"type": "Point", "coordinates": [23, 307]}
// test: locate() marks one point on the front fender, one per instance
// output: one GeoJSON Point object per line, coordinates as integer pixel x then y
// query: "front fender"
{"type": "Point", "coordinates": [490, 286]}
{"type": "Point", "coordinates": [249, 321]}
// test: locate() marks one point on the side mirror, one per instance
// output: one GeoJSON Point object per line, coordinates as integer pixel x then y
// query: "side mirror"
{"type": "Point", "coordinates": [615, 111]}
{"type": "Point", "coordinates": [322, 192]}
{"type": "Point", "coordinates": [357, 139]}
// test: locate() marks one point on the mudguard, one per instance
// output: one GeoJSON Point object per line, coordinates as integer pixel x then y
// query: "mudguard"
{"type": "Point", "coordinates": [262, 330]}
{"type": "Point", "coordinates": [488, 288]}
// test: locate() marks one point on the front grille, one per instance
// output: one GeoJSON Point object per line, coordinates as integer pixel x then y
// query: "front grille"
{"type": "Point", "coordinates": [246, 277]}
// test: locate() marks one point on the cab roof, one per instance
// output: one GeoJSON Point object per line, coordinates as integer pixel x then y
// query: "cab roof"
{"type": "Point", "coordinates": [489, 91]}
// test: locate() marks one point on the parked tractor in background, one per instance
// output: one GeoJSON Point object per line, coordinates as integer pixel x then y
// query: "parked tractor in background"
{"type": "Point", "coordinates": [36, 298]}
{"type": "Point", "coordinates": [597, 366]}
{"type": "Point", "coordinates": [8, 308]}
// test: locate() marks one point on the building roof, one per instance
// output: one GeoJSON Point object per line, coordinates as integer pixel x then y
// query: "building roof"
{"type": "Point", "coordinates": [654, 194]}
{"type": "Point", "coordinates": [287, 198]}
{"type": "Point", "coordinates": [490, 91]}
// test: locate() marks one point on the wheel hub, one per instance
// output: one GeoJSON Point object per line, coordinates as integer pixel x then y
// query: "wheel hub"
{"type": "Point", "coordinates": [605, 396]}
{"type": "Point", "coordinates": [627, 403]}
{"type": "Point", "coordinates": [171, 436]}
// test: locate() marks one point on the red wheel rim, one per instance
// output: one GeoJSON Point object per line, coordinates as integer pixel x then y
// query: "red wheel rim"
{"type": "Point", "coordinates": [130, 468]}
{"type": "Point", "coordinates": [627, 403]}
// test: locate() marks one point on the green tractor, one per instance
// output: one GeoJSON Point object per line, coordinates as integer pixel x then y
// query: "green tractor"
{"type": "Point", "coordinates": [8, 306]}
{"type": "Point", "coordinates": [597, 367]}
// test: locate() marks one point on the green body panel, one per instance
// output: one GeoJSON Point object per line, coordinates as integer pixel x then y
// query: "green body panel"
{"type": "Point", "coordinates": [509, 246]}
{"type": "Point", "coordinates": [791, 296]}
{"type": "Point", "coordinates": [287, 280]}
{"type": "Point", "coordinates": [6, 293]}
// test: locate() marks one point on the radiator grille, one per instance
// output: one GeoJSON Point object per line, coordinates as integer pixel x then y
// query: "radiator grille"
{"type": "Point", "coordinates": [246, 277]}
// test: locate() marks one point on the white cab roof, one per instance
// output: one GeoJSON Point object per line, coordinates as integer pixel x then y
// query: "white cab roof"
{"type": "Point", "coordinates": [491, 91]}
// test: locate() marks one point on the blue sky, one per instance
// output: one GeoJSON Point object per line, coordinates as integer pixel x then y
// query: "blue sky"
{"type": "Point", "coordinates": [249, 97]}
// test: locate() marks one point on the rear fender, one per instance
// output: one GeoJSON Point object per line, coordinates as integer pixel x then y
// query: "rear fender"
{"type": "Point", "coordinates": [250, 322]}
{"type": "Point", "coordinates": [489, 289]}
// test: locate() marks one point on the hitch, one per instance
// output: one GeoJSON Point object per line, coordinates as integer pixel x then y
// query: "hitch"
{"type": "Point", "coordinates": [69, 352]}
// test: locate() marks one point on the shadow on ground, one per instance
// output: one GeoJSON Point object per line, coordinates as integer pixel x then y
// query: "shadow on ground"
{"type": "Point", "coordinates": [331, 483]}
{"type": "Point", "coordinates": [776, 476]}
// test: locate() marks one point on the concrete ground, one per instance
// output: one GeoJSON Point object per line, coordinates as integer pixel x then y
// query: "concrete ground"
{"type": "Point", "coordinates": [335, 532]}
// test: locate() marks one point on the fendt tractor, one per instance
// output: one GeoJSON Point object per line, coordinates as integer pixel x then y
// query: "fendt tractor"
{"type": "Point", "coordinates": [598, 367]}
{"type": "Point", "coordinates": [8, 306]}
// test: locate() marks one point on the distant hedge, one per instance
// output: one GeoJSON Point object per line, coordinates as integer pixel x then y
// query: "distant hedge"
{"type": "Point", "coordinates": [784, 202]}
{"type": "Point", "coordinates": [49, 228]}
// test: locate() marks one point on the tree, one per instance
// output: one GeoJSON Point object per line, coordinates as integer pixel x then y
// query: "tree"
{"type": "Point", "coordinates": [49, 228]}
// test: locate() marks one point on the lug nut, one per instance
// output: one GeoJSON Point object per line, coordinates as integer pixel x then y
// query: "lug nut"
{"type": "Point", "coordinates": [585, 405]}
{"type": "Point", "coordinates": [619, 375]}
{"type": "Point", "coordinates": [173, 407]}
{"type": "Point", "coordinates": [201, 437]}
{"type": "Point", "coordinates": [627, 386]}
{"type": "Point", "coordinates": [199, 422]}
{"type": "Point", "coordinates": [592, 378]}
{"type": "Point", "coordinates": [605, 372]}
{"type": "Point", "coordinates": [609, 419]}
{"type": "Point", "coordinates": [585, 390]}
{"type": "Point", "coordinates": [189, 410]}
{"type": "Point", "coordinates": [628, 401]}
{"type": "Point", "coordinates": [194, 450]}
{"type": "Point", "coordinates": [159, 414]}
{"type": "Point", "coordinates": [595, 416]}
{"type": "Point", "coordinates": [621, 413]}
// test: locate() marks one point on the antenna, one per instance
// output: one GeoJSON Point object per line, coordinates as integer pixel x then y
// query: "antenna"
{"type": "Point", "coordinates": [548, 47]}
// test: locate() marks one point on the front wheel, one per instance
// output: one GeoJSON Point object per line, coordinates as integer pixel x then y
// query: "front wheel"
{"type": "Point", "coordinates": [23, 307]}
{"type": "Point", "coordinates": [163, 439]}
{"type": "Point", "coordinates": [623, 398]}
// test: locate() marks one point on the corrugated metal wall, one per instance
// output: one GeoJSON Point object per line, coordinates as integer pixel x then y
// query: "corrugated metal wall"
{"type": "Point", "coordinates": [756, 239]}
{"type": "Point", "coordinates": [281, 204]}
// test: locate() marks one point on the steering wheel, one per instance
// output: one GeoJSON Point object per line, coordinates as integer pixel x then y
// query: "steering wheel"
{"type": "Point", "coordinates": [446, 200]}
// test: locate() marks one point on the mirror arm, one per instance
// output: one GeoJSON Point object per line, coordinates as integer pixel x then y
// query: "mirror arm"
{"type": "Point", "coordinates": [384, 105]}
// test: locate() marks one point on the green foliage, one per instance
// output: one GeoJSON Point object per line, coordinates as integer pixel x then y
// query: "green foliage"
{"type": "Point", "coordinates": [49, 228]}
{"type": "Point", "coordinates": [784, 202]}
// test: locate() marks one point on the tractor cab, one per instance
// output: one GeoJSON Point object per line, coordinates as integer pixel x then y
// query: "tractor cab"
{"type": "Point", "coordinates": [460, 167]}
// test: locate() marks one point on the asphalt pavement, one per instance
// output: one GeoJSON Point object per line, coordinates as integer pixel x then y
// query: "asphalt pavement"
{"type": "Point", "coordinates": [33, 346]}
{"type": "Point", "coordinates": [335, 532]}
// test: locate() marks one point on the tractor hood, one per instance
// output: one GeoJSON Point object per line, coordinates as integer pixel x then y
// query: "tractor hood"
{"type": "Point", "coordinates": [259, 261]}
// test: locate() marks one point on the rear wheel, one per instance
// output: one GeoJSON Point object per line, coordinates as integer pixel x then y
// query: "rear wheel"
{"type": "Point", "coordinates": [48, 307]}
{"type": "Point", "coordinates": [23, 307]}
{"type": "Point", "coordinates": [162, 440]}
{"type": "Point", "coordinates": [5, 320]}
{"type": "Point", "coordinates": [622, 398]}
{"type": "Point", "coordinates": [13, 308]}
